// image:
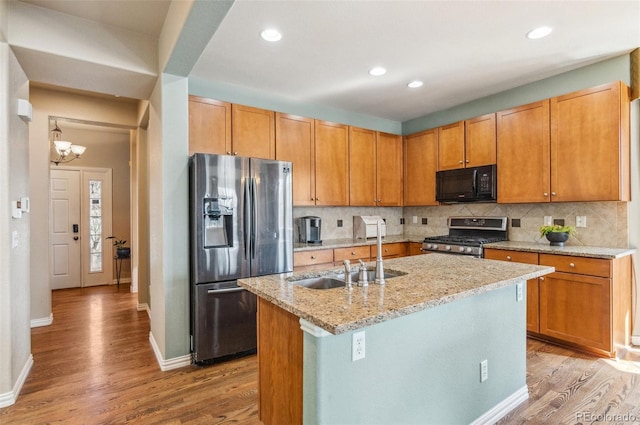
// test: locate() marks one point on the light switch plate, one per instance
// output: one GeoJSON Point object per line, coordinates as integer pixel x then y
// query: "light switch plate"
{"type": "Point", "coordinates": [548, 220]}
{"type": "Point", "coordinates": [581, 221]}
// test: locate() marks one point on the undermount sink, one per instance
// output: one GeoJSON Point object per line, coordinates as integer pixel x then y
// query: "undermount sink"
{"type": "Point", "coordinates": [337, 281]}
{"type": "Point", "coordinates": [320, 282]}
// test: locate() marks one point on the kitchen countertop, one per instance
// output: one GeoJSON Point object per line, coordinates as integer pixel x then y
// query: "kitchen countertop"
{"type": "Point", "coordinates": [543, 247]}
{"type": "Point", "coordinates": [431, 280]}
{"type": "Point", "coordinates": [348, 242]}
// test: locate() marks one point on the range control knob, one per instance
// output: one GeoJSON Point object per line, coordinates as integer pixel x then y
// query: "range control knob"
{"type": "Point", "coordinates": [469, 249]}
{"type": "Point", "coordinates": [461, 249]}
{"type": "Point", "coordinates": [434, 246]}
{"type": "Point", "coordinates": [447, 248]}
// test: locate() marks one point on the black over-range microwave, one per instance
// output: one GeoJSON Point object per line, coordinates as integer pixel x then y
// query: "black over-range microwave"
{"type": "Point", "coordinates": [475, 184]}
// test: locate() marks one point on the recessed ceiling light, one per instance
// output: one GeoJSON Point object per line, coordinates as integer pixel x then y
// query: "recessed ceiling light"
{"type": "Point", "coordinates": [271, 34]}
{"type": "Point", "coordinates": [377, 71]}
{"type": "Point", "coordinates": [415, 84]}
{"type": "Point", "coordinates": [539, 32]}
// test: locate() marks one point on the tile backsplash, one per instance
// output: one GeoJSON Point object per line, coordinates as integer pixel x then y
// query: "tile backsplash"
{"type": "Point", "coordinates": [607, 222]}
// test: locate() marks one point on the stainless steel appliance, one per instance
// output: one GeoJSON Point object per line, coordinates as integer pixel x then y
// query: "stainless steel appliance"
{"type": "Point", "coordinates": [310, 229]}
{"type": "Point", "coordinates": [241, 225]}
{"type": "Point", "coordinates": [467, 235]}
{"type": "Point", "coordinates": [476, 184]}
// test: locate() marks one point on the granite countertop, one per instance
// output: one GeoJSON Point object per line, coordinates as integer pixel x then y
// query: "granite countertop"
{"type": "Point", "coordinates": [431, 280]}
{"type": "Point", "coordinates": [348, 242]}
{"type": "Point", "coordinates": [543, 247]}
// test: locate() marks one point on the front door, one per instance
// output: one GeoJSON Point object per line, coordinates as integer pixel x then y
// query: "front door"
{"type": "Point", "coordinates": [80, 212]}
{"type": "Point", "coordinates": [64, 228]}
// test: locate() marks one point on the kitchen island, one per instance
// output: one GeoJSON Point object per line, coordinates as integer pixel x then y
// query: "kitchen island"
{"type": "Point", "coordinates": [426, 332]}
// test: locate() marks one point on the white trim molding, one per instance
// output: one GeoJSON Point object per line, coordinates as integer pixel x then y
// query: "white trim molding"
{"type": "Point", "coordinates": [312, 329]}
{"type": "Point", "coordinates": [42, 321]}
{"type": "Point", "coordinates": [175, 363]}
{"type": "Point", "coordinates": [501, 409]}
{"type": "Point", "coordinates": [144, 307]}
{"type": "Point", "coordinates": [635, 340]}
{"type": "Point", "coordinates": [7, 399]}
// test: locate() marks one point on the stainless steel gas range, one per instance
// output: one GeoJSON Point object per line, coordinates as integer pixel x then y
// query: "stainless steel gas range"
{"type": "Point", "coordinates": [467, 235]}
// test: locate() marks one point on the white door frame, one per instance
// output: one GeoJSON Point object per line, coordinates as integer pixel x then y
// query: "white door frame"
{"type": "Point", "coordinates": [86, 278]}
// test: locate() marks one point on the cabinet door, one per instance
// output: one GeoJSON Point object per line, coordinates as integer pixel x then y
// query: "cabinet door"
{"type": "Point", "coordinates": [415, 248]}
{"type": "Point", "coordinates": [209, 126]}
{"type": "Point", "coordinates": [576, 308]}
{"type": "Point", "coordinates": [389, 170]}
{"type": "Point", "coordinates": [523, 154]}
{"type": "Point", "coordinates": [332, 164]}
{"type": "Point", "coordinates": [533, 291]}
{"type": "Point", "coordinates": [451, 146]}
{"type": "Point", "coordinates": [351, 254]}
{"type": "Point", "coordinates": [420, 165]}
{"type": "Point", "coordinates": [480, 141]}
{"type": "Point", "coordinates": [362, 167]}
{"type": "Point", "coordinates": [295, 142]}
{"type": "Point", "coordinates": [253, 132]}
{"type": "Point", "coordinates": [389, 250]}
{"type": "Point", "coordinates": [590, 145]}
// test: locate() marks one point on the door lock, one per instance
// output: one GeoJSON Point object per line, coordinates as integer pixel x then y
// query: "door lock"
{"type": "Point", "coordinates": [75, 238]}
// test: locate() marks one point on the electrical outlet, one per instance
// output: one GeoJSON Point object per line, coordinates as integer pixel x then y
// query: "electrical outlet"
{"type": "Point", "coordinates": [558, 221]}
{"type": "Point", "coordinates": [401, 220]}
{"type": "Point", "coordinates": [548, 220]}
{"type": "Point", "coordinates": [339, 223]}
{"type": "Point", "coordinates": [484, 370]}
{"type": "Point", "coordinates": [519, 291]}
{"type": "Point", "coordinates": [357, 346]}
{"type": "Point", "coordinates": [581, 221]}
{"type": "Point", "coordinates": [425, 221]}
{"type": "Point", "coordinates": [515, 222]}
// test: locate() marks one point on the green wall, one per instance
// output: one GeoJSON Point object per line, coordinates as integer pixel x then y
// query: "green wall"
{"type": "Point", "coordinates": [607, 71]}
{"type": "Point", "coordinates": [423, 368]}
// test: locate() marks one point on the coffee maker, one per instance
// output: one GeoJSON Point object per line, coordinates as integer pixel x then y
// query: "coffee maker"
{"type": "Point", "coordinates": [309, 228]}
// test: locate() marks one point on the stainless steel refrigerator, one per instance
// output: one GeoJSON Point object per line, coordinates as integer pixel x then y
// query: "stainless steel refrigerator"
{"type": "Point", "coordinates": [241, 225]}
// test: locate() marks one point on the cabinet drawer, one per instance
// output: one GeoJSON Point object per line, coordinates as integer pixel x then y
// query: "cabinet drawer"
{"type": "Point", "coordinates": [580, 265]}
{"type": "Point", "coordinates": [308, 258]}
{"type": "Point", "coordinates": [398, 249]}
{"type": "Point", "coordinates": [515, 256]}
{"type": "Point", "coordinates": [353, 253]}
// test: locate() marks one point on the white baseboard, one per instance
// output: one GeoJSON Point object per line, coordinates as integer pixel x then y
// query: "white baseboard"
{"type": "Point", "coordinates": [175, 363]}
{"type": "Point", "coordinates": [7, 399]}
{"type": "Point", "coordinates": [635, 340]}
{"type": "Point", "coordinates": [123, 280]}
{"type": "Point", "coordinates": [144, 307]}
{"type": "Point", "coordinates": [42, 321]}
{"type": "Point", "coordinates": [501, 409]}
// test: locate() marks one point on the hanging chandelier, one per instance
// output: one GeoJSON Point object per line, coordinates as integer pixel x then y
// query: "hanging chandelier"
{"type": "Point", "coordinates": [65, 151]}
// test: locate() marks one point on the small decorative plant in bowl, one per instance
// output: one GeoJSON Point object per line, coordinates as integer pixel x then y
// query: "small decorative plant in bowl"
{"type": "Point", "coordinates": [557, 235]}
{"type": "Point", "coordinates": [121, 250]}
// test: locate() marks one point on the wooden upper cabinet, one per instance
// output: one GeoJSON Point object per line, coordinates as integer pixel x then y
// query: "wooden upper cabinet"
{"type": "Point", "coordinates": [209, 126]}
{"type": "Point", "coordinates": [420, 166]}
{"type": "Point", "coordinates": [389, 170]}
{"type": "Point", "coordinates": [362, 167]}
{"type": "Point", "coordinates": [332, 164]}
{"type": "Point", "coordinates": [480, 141]}
{"type": "Point", "coordinates": [253, 132]}
{"type": "Point", "coordinates": [523, 153]}
{"type": "Point", "coordinates": [451, 146]}
{"type": "Point", "coordinates": [590, 144]}
{"type": "Point", "coordinates": [295, 142]}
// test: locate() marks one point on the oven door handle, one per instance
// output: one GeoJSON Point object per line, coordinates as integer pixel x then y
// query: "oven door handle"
{"type": "Point", "coordinates": [225, 291]}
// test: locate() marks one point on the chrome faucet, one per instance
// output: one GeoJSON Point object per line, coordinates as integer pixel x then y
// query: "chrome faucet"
{"type": "Point", "coordinates": [363, 278]}
{"type": "Point", "coordinates": [347, 275]}
{"type": "Point", "coordinates": [379, 265]}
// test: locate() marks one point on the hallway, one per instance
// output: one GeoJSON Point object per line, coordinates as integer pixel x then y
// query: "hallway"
{"type": "Point", "coordinates": [95, 365]}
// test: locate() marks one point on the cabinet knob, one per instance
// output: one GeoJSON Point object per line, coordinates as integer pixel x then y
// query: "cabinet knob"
{"type": "Point", "coordinates": [467, 161]}
{"type": "Point", "coordinates": [386, 250]}
{"type": "Point", "coordinates": [571, 265]}
{"type": "Point", "coordinates": [460, 162]}
{"type": "Point", "coordinates": [553, 194]}
{"type": "Point", "coordinates": [508, 257]}
{"type": "Point", "coordinates": [353, 253]}
{"type": "Point", "coordinates": [228, 152]}
{"type": "Point", "coordinates": [541, 278]}
{"type": "Point", "coordinates": [546, 194]}
{"type": "Point", "coordinates": [317, 199]}
{"type": "Point", "coordinates": [235, 153]}
{"type": "Point", "coordinates": [313, 257]}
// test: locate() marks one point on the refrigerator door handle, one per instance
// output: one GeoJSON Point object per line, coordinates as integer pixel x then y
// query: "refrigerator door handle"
{"type": "Point", "coordinates": [245, 222]}
{"type": "Point", "coordinates": [224, 291]}
{"type": "Point", "coordinates": [254, 220]}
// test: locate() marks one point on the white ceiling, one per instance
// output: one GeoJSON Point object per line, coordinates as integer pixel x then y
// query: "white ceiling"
{"type": "Point", "coordinates": [462, 50]}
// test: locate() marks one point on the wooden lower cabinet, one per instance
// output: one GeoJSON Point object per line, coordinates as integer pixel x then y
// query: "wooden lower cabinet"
{"type": "Point", "coordinates": [305, 260]}
{"type": "Point", "coordinates": [585, 304]}
{"type": "Point", "coordinates": [389, 250]}
{"type": "Point", "coordinates": [280, 357]}
{"type": "Point", "coordinates": [353, 253]}
{"type": "Point", "coordinates": [415, 248]}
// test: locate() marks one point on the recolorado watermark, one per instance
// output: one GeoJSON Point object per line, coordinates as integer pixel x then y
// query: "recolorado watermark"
{"type": "Point", "coordinates": [606, 417]}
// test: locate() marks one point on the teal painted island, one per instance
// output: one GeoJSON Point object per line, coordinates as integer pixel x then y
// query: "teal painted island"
{"type": "Point", "coordinates": [444, 342]}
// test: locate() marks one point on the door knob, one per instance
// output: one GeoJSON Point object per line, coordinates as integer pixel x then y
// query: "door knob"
{"type": "Point", "coordinates": [75, 238]}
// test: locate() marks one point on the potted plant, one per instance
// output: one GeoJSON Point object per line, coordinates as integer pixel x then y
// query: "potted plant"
{"type": "Point", "coordinates": [121, 250]}
{"type": "Point", "coordinates": [556, 234]}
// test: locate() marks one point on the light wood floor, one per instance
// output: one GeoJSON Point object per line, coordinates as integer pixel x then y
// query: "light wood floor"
{"type": "Point", "coordinates": [95, 365]}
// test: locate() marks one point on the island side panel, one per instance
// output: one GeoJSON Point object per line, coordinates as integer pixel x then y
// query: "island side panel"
{"type": "Point", "coordinates": [279, 365]}
{"type": "Point", "coordinates": [421, 368]}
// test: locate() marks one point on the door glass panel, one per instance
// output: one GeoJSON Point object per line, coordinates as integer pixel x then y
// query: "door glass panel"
{"type": "Point", "coordinates": [95, 226]}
